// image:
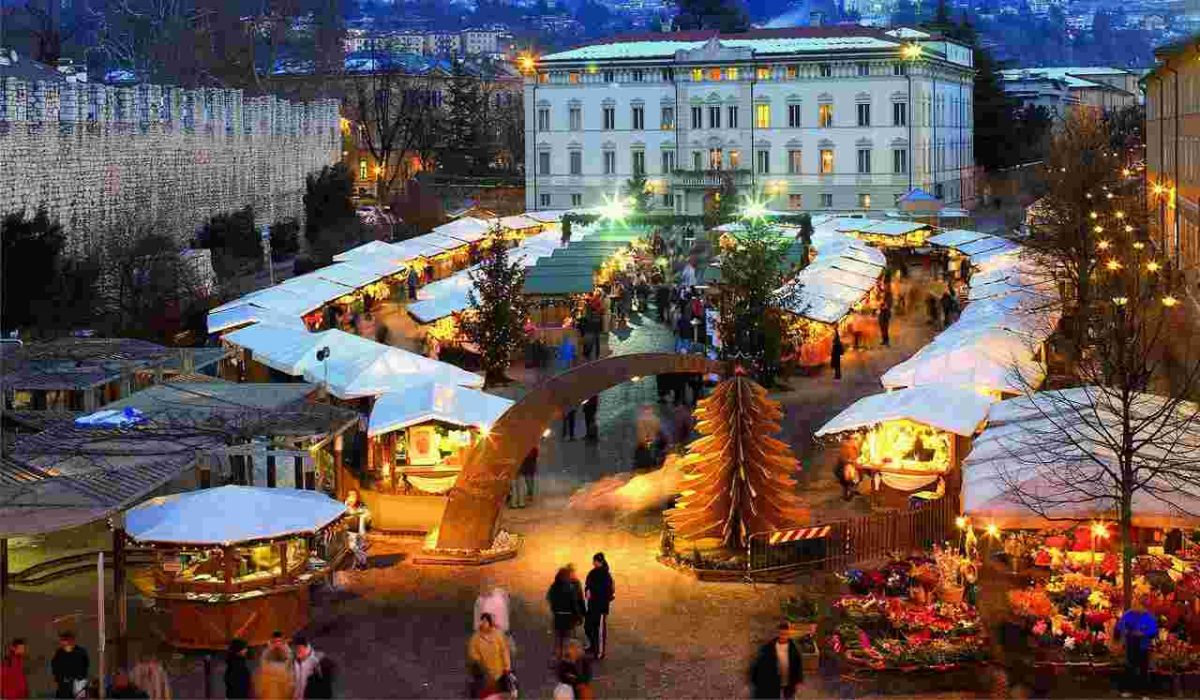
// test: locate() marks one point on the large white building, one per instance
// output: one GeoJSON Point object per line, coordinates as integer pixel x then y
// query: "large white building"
{"type": "Point", "coordinates": [841, 118]}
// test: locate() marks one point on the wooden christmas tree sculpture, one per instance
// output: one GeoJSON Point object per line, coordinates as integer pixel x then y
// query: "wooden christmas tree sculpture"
{"type": "Point", "coordinates": [737, 477]}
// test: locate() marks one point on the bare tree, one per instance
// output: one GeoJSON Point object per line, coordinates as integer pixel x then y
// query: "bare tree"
{"type": "Point", "coordinates": [395, 118]}
{"type": "Point", "coordinates": [1080, 171]}
{"type": "Point", "coordinates": [1125, 441]}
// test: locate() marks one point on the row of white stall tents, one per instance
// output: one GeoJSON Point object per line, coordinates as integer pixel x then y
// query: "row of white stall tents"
{"type": "Point", "coordinates": [997, 344]}
{"type": "Point", "coordinates": [886, 233]}
{"type": "Point", "coordinates": [286, 304]}
{"type": "Point", "coordinates": [447, 296]}
{"type": "Point", "coordinates": [838, 280]}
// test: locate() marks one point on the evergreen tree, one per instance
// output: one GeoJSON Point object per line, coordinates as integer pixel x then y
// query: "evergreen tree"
{"type": "Point", "coordinates": [637, 195]}
{"type": "Point", "coordinates": [725, 16]}
{"type": "Point", "coordinates": [737, 477]}
{"type": "Point", "coordinates": [31, 249]}
{"type": "Point", "coordinates": [751, 272]}
{"type": "Point", "coordinates": [496, 309]}
{"type": "Point", "coordinates": [462, 124]}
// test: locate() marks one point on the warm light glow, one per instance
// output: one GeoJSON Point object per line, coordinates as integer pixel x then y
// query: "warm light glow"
{"type": "Point", "coordinates": [1138, 245]}
{"type": "Point", "coordinates": [1094, 215]}
{"type": "Point", "coordinates": [993, 531]}
{"type": "Point", "coordinates": [527, 63]}
{"type": "Point", "coordinates": [379, 170]}
{"type": "Point", "coordinates": [1113, 265]}
{"type": "Point", "coordinates": [614, 208]}
{"type": "Point", "coordinates": [1100, 530]}
{"type": "Point", "coordinates": [1169, 301]}
{"type": "Point", "coordinates": [1098, 228]}
{"type": "Point", "coordinates": [1120, 301]}
{"type": "Point", "coordinates": [1102, 245]}
{"type": "Point", "coordinates": [753, 209]}
{"type": "Point", "coordinates": [1109, 195]}
{"type": "Point", "coordinates": [1152, 266]}
{"type": "Point", "coordinates": [960, 522]}
{"type": "Point", "coordinates": [1125, 172]}
{"type": "Point", "coordinates": [911, 52]}
{"type": "Point", "coordinates": [546, 433]}
{"type": "Point", "coordinates": [485, 430]}
{"type": "Point", "coordinates": [1120, 215]}
{"type": "Point", "coordinates": [1128, 229]}
{"type": "Point", "coordinates": [636, 380]}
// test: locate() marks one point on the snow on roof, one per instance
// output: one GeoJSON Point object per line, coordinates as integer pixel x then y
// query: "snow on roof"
{"type": "Point", "coordinates": [243, 314]}
{"type": "Point", "coordinates": [348, 274]}
{"type": "Point", "coordinates": [667, 48]}
{"type": "Point", "coordinates": [445, 403]}
{"type": "Point", "coordinates": [842, 275]}
{"type": "Point", "coordinates": [548, 216]}
{"type": "Point", "coordinates": [229, 514]}
{"type": "Point", "coordinates": [467, 229]}
{"type": "Point", "coordinates": [892, 228]}
{"type": "Point", "coordinates": [438, 241]}
{"type": "Point", "coordinates": [908, 33]}
{"type": "Point", "coordinates": [366, 250]}
{"type": "Point", "coordinates": [518, 222]}
{"type": "Point", "coordinates": [956, 237]}
{"type": "Point", "coordinates": [958, 410]}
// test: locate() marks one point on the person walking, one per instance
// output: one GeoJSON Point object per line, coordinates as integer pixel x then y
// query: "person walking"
{"type": "Point", "coordinates": [320, 683]}
{"type": "Point", "coordinates": [931, 308]}
{"type": "Point", "coordinates": [565, 607]}
{"type": "Point", "coordinates": [589, 417]}
{"type": "Point", "coordinates": [494, 603]}
{"type": "Point", "coordinates": [149, 675]}
{"type": "Point", "coordinates": [575, 671]}
{"type": "Point", "coordinates": [599, 592]}
{"type": "Point", "coordinates": [237, 669]}
{"type": "Point", "coordinates": [525, 484]}
{"type": "Point", "coordinates": [489, 659]}
{"type": "Point", "coordinates": [69, 666]}
{"type": "Point", "coordinates": [1137, 630]}
{"type": "Point", "coordinates": [303, 666]}
{"type": "Point", "coordinates": [412, 284]}
{"type": "Point", "coordinates": [777, 669]}
{"type": "Point", "coordinates": [885, 319]}
{"type": "Point", "coordinates": [14, 684]}
{"type": "Point", "coordinates": [947, 308]}
{"type": "Point", "coordinates": [835, 355]}
{"type": "Point", "coordinates": [274, 679]}
{"type": "Point", "coordinates": [568, 424]}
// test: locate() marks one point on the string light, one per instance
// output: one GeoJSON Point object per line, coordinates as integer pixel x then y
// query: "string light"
{"type": "Point", "coordinates": [1109, 195]}
{"type": "Point", "coordinates": [1120, 301]}
{"type": "Point", "coordinates": [1120, 215]}
{"type": "Point", "coordinates": [1128, 229]}
{"type": "Point", "coordinates": [1138, 245]}
{"type": "Point", "coordinates": [1102, 245]}
{"type": "Point", "coordinates": [1152, 266]}
{"type": "Point", "coordinates": [1094, 215]}
{"type": "Point", "coordinates": [1113, 265]}
{"type": "Point", "coordinates": [1098, 228]}
{"type": "Point", "coordinates": [1169, 301]}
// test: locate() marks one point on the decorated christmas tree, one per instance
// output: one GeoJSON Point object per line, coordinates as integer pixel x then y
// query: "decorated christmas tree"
{"type": "Point", "coordinates": [496, 311]}
{"type": "Point", "coordinates": [737, 477]}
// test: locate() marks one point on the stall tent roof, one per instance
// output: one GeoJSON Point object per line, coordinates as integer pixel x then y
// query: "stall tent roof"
{"type": "Point", "coordinates": [548, 216]}
{"type": "Point", "coordinates": [1030, 437]}
{"type": "Point", "coordinates": [438, 241]}
{"type": "Point", "coordinates": [957, 410]}
{"type": "Point", "coordinates": [316, 286]}
{"type": "Point", "coordinates": [519, 222]}
{"type": "Point", "coordinates": [370, 249]}
{"type": "Point", "coordinates": [956, 237]}
{"type": "Point", "coordinates": [554, 285]}
{"type": "Point", "coordinates": [840, 277]}
{"type": "Point", "coordinates": [356, 366]}
{"type": "Point", "coordinates": [444, 403]}
{"type": "Point", "coordinates": [231, 514]}
{"type": "Point", "coordinates": [468, 229]}
{"type": "Point", "coordinates": [348, 275]}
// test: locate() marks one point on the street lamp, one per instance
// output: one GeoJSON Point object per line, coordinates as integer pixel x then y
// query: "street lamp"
{"type": "Point", "coordinates": [910, 52]}
{"type": "Point", "coordinates": [753, 209]}
{"type": "Point", "coordinates": [1099, 530]}
{"type": "Point", "coordinates": [322, 357]}
{"type": "Point", "coordinates": [614, 208]}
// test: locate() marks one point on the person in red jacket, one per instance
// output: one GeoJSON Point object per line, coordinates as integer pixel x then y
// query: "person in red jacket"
{"type": "Point", "coordinates": [13, 684]}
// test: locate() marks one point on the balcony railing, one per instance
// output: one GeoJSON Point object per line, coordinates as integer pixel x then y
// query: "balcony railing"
{"type": "Point", "coordinates": [706, 179]}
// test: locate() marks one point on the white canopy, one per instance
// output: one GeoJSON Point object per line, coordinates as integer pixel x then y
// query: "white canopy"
{"type": "Point", "coordinates": [244, 314]}
{"type": "Point", "coordinates": [437, 242]}
{"type": "Point", "coordinates": [356, 366]}
{"type": "Point", "coordinates": [1046, 444]}
{"type": "Point", "coordinates": [467, 229]}
{"type": "Point", "coordinates": [316, 287]}
{"type": "Point", "coordinates": [548, 216]}
{"type": "Point", "coordinates": [519, 222]}
{"type": "Point", "coordinates": [348, 275]}
{"type": "Point", "coordinates": [370, 249]}
{"type": "Point", "coordinates": [956, 237]}
{"type": "Point", "coordinates": [435, 402]}
{"type": "Point", "coordinates": [892, 228]}
{"type": "Point", "coordinates": [987, 359]}
{"type": "Point", "coordinates": [413, 248]}
{"type": "Point", "coordinates": [230, 514]}
{"type": "Point", "coordinates": [839, 278]}
{"type": "Point", "coordinates": [957, 410]}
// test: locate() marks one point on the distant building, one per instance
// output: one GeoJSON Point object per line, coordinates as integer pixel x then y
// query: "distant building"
{"type": "Point", "coordinates": [1172, 152]}
{"type": "Point", "coordinates": [469, 42]}
{"type": "Point", "coordinates": [834, 118]}
{"type": "Point", "coordinates": [1061, 89]}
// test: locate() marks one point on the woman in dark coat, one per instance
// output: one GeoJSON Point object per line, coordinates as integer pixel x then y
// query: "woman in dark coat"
{"type": "Point", "coordinates": [566, 606]}
{"type": "Point", "coordinates": [599, 591]}
{"type": "Point", "coordinates": [237, 670]}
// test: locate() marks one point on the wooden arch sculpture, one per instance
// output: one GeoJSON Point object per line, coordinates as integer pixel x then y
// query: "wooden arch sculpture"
{"type": "Point", "coordinates": [476, 499]}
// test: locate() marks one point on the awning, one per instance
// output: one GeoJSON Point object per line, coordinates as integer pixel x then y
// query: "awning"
{"type": "Point", "coordinates": [230, 514]}
{"type": "Point", "coordinates": [348, 274]}
{"type": "Point", "coordinates": [468, 229]}
{"type": "Point", "coordinates": [245, 314]}
{"type": "Point", "coordinates": [953, 409]}
{"type": "Point", "coordinates": [444, 403]}
{"type": "Point", "coordinates": [370, 249]}
{"type": "Point", "coordinates": [555, 285]}
{"type": "Point", "coordinates": [519, 222]}
{"type": "Point", "coordinates": [956, 237]}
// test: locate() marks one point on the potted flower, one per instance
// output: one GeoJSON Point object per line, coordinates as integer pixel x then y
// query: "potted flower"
{"type": "Point", "coordinates": [801, 612]}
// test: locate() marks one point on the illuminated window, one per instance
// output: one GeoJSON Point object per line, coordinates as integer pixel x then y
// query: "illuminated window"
{"type": "Point", "coordinates": [791, 72]}
{"type": "Point", "coordinates": [362, 169]}
{"type": "Point", "coordinates": [731, 73]}
{"type": "Point", "coordinates": [714, 73]}
{"type": "Point", "coordinates": [864, 201]}
{"type": "Point", "coordinates": [762, 116]}
{"type": "Point", "coordinates": [826, 161]}
{"type": "Point", "coordinates": [763, 73]}
{"type": "Point", "coordinates": [573, 77]}
{"type": "Point", "coordinates": [825, 115]}
{"type": "Point", "coordinates": [697, 75]}
{"type": "Point", "coordinates": [735, 159]}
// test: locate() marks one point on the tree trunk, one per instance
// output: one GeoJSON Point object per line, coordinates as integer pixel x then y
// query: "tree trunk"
{"type": "Point", "coordinates": [1126, 545]}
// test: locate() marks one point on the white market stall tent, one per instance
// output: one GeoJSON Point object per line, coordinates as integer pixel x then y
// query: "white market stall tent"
{"type": "Point", "coordinates": [229, 514]}
{"type": "Point", "coordinates": [1035, 444]}
{"type": "Point", "coordinates": [467, 229]}
{"type": "Point", "coordinates": [245, 314]}
{"type": "Point", "coordinates": [444, 403]}
{"type": "Point", "coordinates": [955, 409]}
{"type": "Point", "coordinates": [368, 250]}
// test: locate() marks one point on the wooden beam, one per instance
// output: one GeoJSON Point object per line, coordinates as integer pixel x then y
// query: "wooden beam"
{"type": "Point", "coordinates": [119, 590]}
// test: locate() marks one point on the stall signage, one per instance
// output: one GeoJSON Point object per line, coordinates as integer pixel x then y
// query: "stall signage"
{"type": "Point", "coordinates": [173, 567]}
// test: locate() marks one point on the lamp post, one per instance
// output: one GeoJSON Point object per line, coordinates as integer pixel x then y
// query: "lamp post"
{"type": "Point", "coordinates": [266, 240]}
{"type": "Point", "coordinates": [323, 357]}
{"type": "Point", "coordinates": [910, 53]}
{"type": "Point", "coordinates": [1099, 530]}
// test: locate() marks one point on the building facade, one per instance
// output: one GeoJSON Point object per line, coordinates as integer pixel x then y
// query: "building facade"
{"type": "Point", "coordinates": [833, 118]}
{"type": "Point", "coordinates": [1173, 155]}
{"type": "Point", "coordinates": [1060, 90]}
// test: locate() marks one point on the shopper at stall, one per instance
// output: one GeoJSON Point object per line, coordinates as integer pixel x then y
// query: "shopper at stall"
{"type": "Point", "coordinates": [777, 669]}
{"type": "Point", "coordinates": [357, 533]}
{"type": "Point", "coordinates": [575, 670]}
{"type": "Point", "coordinates": [1137, 630]}
{"type": "Point", "coordinates": [149, 675]}
{"type": "Point", "coordinates": [589, 417]}
{"type": "Point", "coordinates": [304, 666]}
{"type": "Point", "coordinates": [489, 659]}
{"type": "Point", "coordinates": [275, 680]}
{"type": "Point", "coordinates": [237, 669]}
{"type": "Point", "coordinates": [123, 687]}
{"type": "Point", "coordinates": [69, 666]}
{"type": "Point", "coordinates": [948, 306]}
{"type": "Point", "coordinates": [568, 423]}
{"type": "Point", "coordinates": [278, 643]}
{"type": "Point", "coordinates": [835, 355]}
{"type": "Point", "coordinates": [599, 592]}
{"type": "Point", "coordinates": [566, 607]}
{"type": "Point", "coordinates": [14, 684]}
{"type": "Point", "coordinates": [885, 318]}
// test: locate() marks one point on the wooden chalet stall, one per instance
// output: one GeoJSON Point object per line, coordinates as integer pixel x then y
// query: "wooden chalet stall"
{"type": "Point", "coordinates": [887, 233]}
{"type": "Point", "coordinates": [235, 561]}
{"type": "Point", "coordinates": [909, 444]}
{"type": "Point", "coordinates": [416, 440]}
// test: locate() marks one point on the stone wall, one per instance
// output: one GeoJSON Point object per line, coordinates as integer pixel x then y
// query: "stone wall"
{"type": "Point", "coordinates": [92, 154]}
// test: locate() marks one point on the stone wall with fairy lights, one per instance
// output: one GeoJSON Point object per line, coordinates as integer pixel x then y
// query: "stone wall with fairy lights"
{"type": "Point", "coordinates": [95, 154]}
